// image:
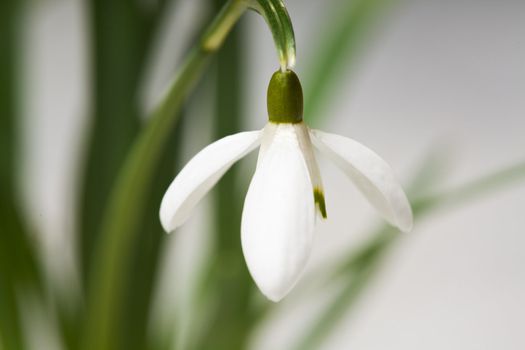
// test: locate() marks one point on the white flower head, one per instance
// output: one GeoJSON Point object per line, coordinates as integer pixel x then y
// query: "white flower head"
{"type": "Point", "coordinates": [286, 196]}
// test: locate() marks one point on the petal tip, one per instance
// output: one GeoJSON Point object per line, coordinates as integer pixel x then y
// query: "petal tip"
{"type": "Point", "coordinates": [407, 225]}
{"type": "Point", "coordinates": [276, 289]}
{"type": "Point", "coordinates": [168, 218]}
{"type": "Point", "coordinates": [199, 176]}
{"type": "Point", "coordinates": [275, 298]}
{"type": "Point", "coordinates": [405, 221]}
{"type": "Point", "coordinates": [165, 219]}
{"type": "Point", "coordinates": [167, 226]}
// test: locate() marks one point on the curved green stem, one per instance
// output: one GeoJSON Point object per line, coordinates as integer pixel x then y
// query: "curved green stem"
{"type": "Point", "coordinates": [128, 198]}
{"type": "Point", "coordinates": [277, 18]}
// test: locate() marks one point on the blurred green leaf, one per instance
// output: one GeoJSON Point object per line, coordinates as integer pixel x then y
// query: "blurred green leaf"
{"type": "Point", "coordinates": [229, 320]}
{"type": "Point", "coordinates": [14, 273]}
{"type": "Point", "coordinates": [143, 270]}
{"type": "Point", "coordinates": [128, 202]}
{"type": "Point", "coordinates": [14, 236]}
{"type": "Point", "coordinates": [121, 33]}
{"type": "Point", "coordinates": [471, 190]}
{"type": "Point", "coordinates": [9, 13]}
{"type": "Point", "coordinates": [20, 274]}
{"type": "Point", "coordinates": [338, 307]}
{"type": "Point", "coordinates": [19, 271]}
{"type": "Point", "coordinates": [339, 46]}
{"type": "Point", "coordinates": [359, 268]}
{"type": "Point", "coordinates": [10, 325]}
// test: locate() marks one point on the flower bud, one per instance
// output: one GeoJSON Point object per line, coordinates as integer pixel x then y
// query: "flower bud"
{"type": "Point", "coordinates": [285, 98]}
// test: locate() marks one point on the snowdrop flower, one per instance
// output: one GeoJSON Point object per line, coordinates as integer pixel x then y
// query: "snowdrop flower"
{"type": "Point", "coordinates": [285, 197]}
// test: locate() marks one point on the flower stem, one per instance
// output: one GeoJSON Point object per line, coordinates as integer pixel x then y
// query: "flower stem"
{"type": "Point", "coordinates": [277, 18]}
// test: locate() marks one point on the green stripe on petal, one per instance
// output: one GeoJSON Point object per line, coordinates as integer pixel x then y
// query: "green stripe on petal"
{"type": "Point", "coordinates": [319, 201]}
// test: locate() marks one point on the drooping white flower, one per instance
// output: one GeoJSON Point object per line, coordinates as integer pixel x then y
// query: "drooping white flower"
{"type": "Point", "coordinates": [286, 190]}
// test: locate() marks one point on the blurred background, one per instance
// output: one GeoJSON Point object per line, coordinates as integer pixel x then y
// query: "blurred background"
{"type": "Point", "coordinates": [437, 88]}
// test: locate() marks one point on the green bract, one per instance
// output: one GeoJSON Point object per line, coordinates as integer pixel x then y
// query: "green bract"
{"type": "Point", "coordinates": [285, 98]}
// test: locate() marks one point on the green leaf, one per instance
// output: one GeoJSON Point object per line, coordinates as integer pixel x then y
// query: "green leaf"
{"type": "Point", "coordinates": [228, 323]}
{"type": "Point", "coordinates": [17, 272]}
{"type": "Point", "coordinates": [121, 36]}
{"type": "Point", "coordinates": [9, 12]}
{"type": "Point", "coordinates": [10, 325]}
{"type": "Point", "coordinates": [18, 258]}
{"type": "Point", "coordinates": [122, 33]}
{"type": "Point", "coordinates": [147, 252]}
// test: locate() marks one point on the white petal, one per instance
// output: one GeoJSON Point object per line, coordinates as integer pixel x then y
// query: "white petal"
{"type": "Point", "coordinates": [372, 175]}
{"type": "Point", "coordinates": [279, 215]}
{"type": "Point", "coordinates": [266, 139]}
{"type": "Point", "coordinates": [200, 174]}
